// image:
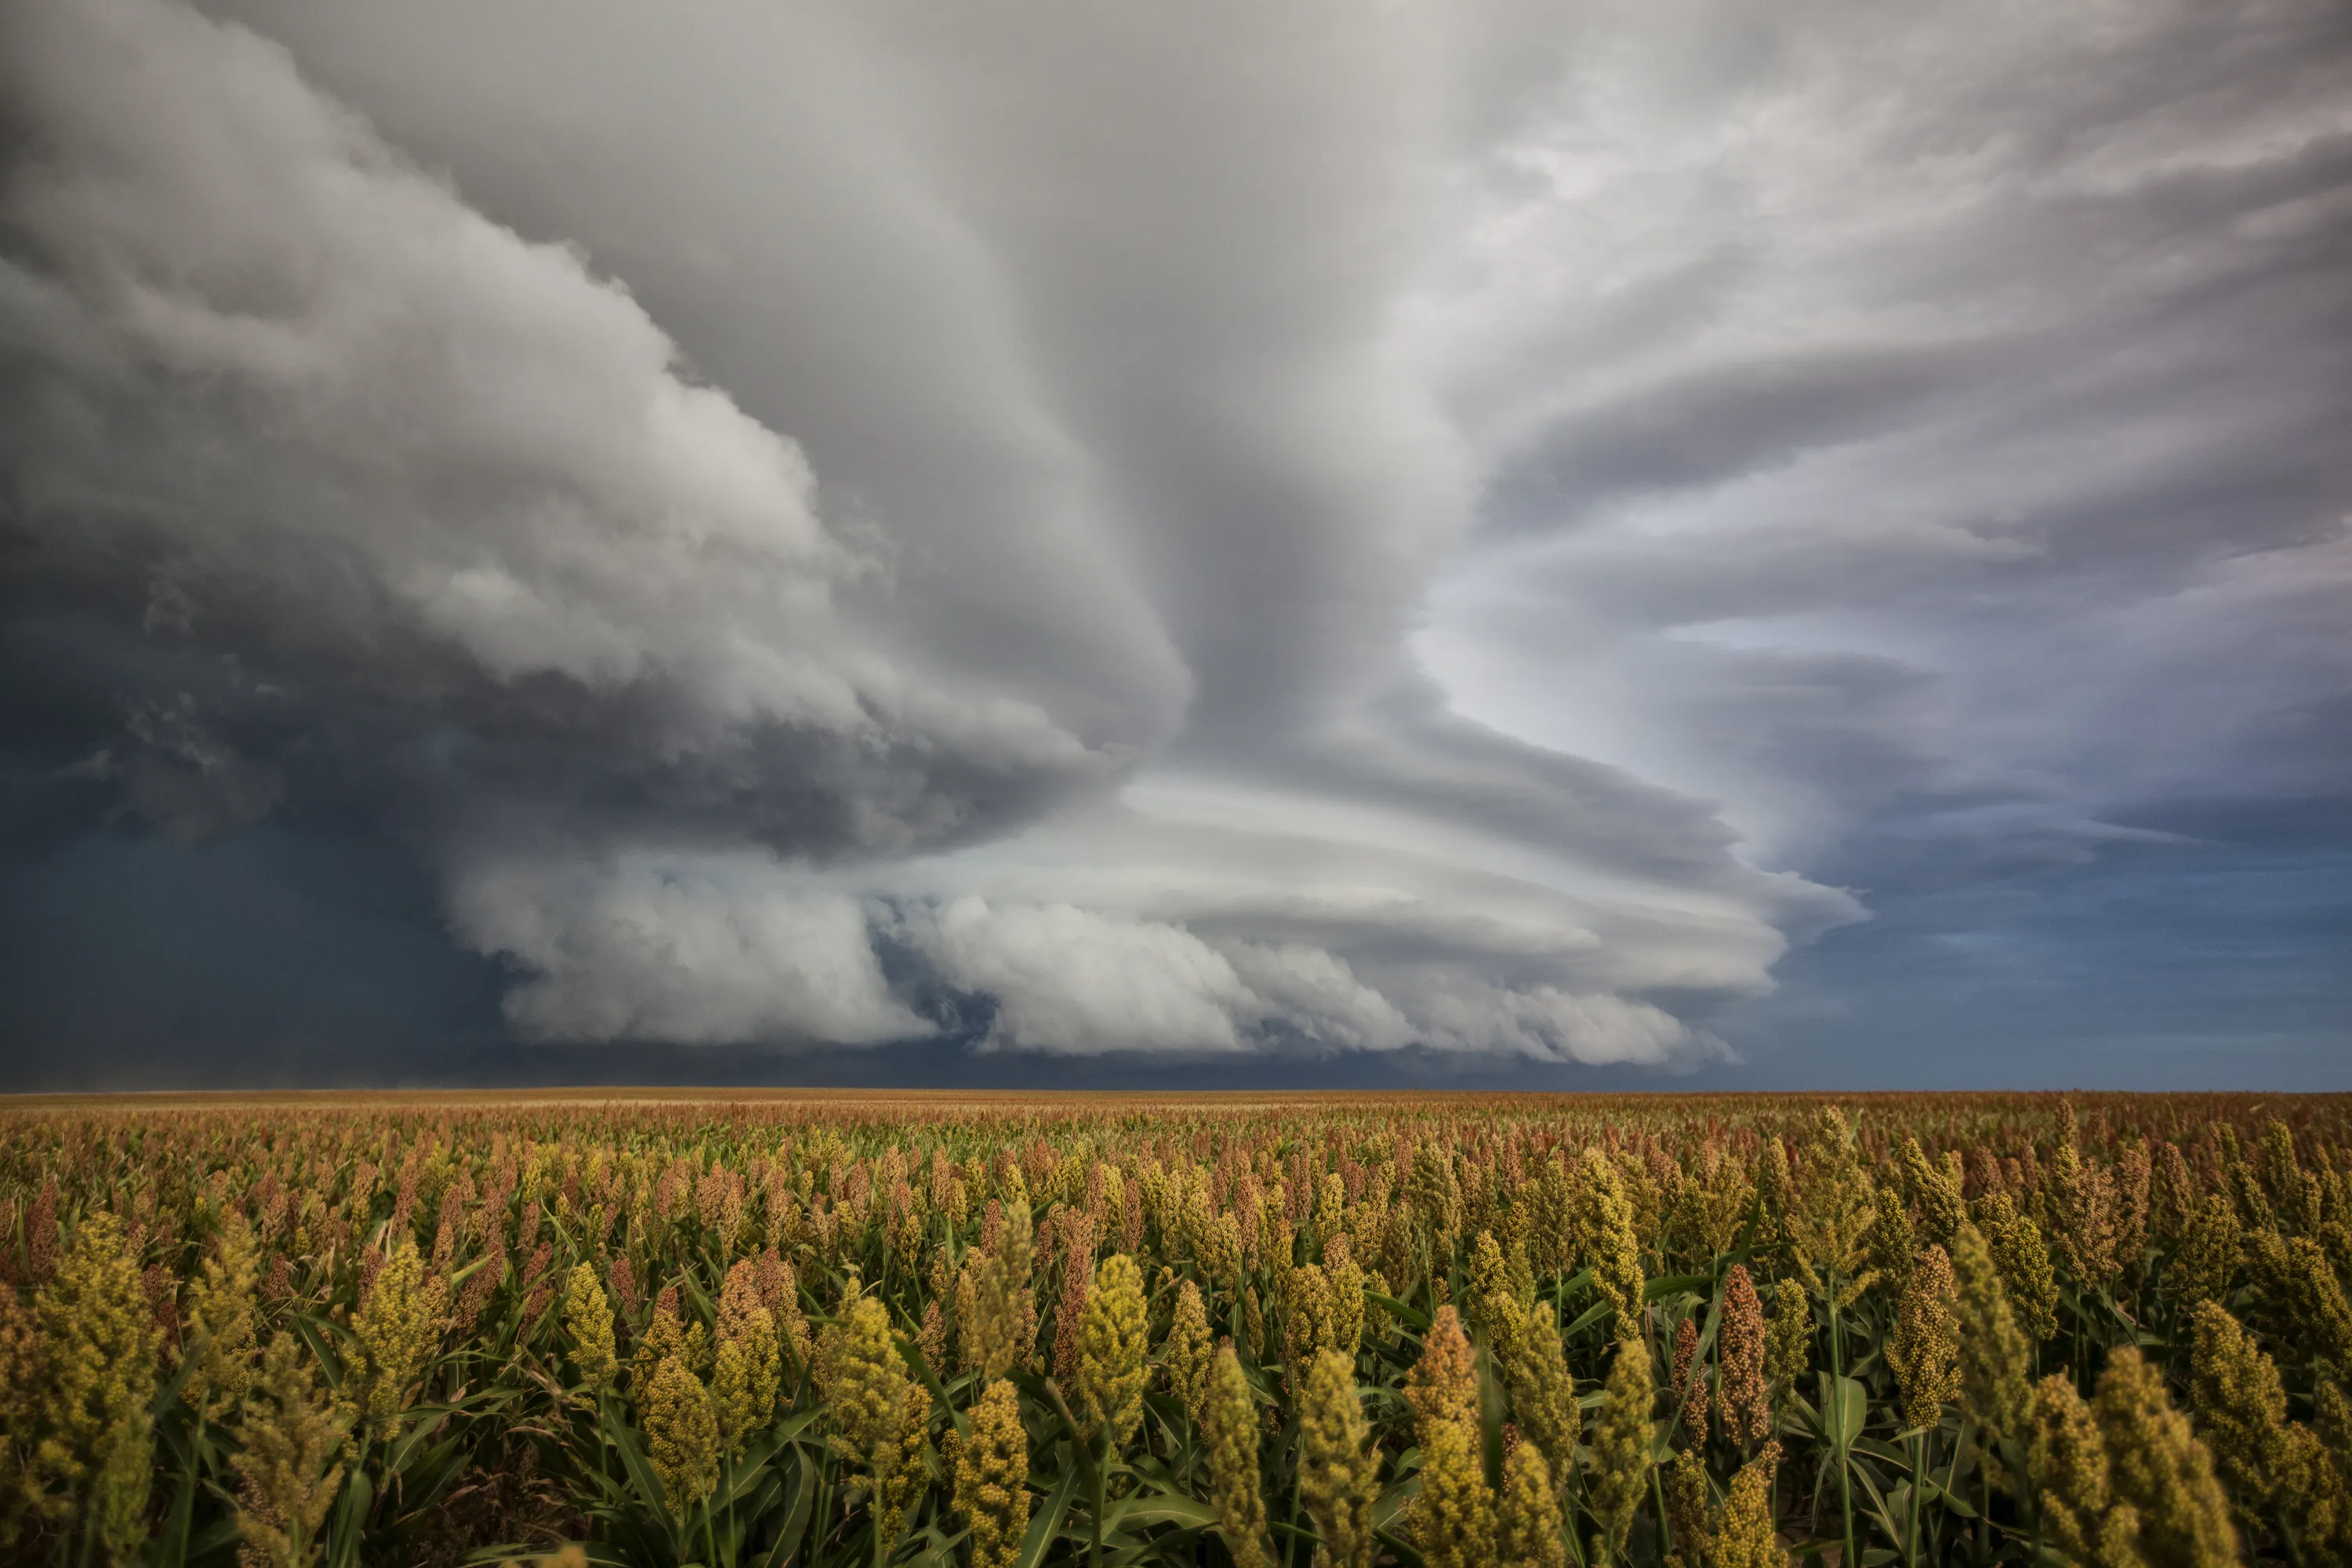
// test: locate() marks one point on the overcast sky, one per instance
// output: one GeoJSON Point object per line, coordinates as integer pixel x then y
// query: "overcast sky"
{"type": "Point", "coordinates": [1451, 542]}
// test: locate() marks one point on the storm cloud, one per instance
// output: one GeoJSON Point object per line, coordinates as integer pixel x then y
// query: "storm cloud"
{"type": "Point", "coordinates": [1462, 532]}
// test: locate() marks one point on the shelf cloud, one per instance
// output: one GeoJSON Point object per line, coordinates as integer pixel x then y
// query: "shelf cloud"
{"type": "Point", "coordinates": [1473, 531]}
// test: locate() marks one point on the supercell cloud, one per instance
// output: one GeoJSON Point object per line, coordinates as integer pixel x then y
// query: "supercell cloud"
{"type": "Point", "coordinates": [1461, 530]}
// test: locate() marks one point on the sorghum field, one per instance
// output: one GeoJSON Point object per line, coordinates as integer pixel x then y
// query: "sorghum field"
{"type": "Point", "coordinates": [1456, 1331]}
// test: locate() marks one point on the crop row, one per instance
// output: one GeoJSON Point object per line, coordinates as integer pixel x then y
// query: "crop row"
{"type": "Point", "coordinates": [1446, 1330]}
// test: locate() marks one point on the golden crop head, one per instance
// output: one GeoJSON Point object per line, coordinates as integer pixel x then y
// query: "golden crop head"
{"type": "Point", "coordinates": [1230, 1423]}
{"type": "Point", "coordinates": [1344, 1286]}
{"type": "Point", "coordinates": [1788, 1354]}
{"type": "Point", "coordinates": [1442, 1385]}
{"type": "Point", "coordinates": [1113, 1340]}
{"type": "Point", "coordinates": [992, 1478]}
{"type": "Point", "coordinates": [1221, 1259]}
{"type": "Point", "coordinates": [1994, 1355]}
{"type": "Point", "coordinates": [1836, 1211]}
{"type": "Point", "coordinates": [1493, 1298]}
{"type": "Point", "coordinates": [2314, 1298]}
{"type": "Point", "coordinates": [875, 1404]}
{"type": "Point", "coordinates": [1685, 1496]}
{"type": "Point", "coordinates": [1543, 1394]}
{"type": "Point", "coordinates": [745, 1372]}
{"type": "Point", "coordinates": [397, 1329]}
{"type": "Point", "coordinates": [1777, 1184]}
{"type": "Point", "coordinates": [98, 1343]}
{"type": "Point", "coordinates": [997, 1334]}
{"type": "Point", "coordinates": [2275, 1467]}
{"type": "Point", "coordinates": [780, 1292]}
{"type": "Point", "coordinates": [2160, 1470]}
{"type": "Point", "coordinates": [1936, 1190]}
{"type": "Point", "coordinates": [1609, 1242]}
{"type": "Point", "coordinates": [1619, 1473]}
{"type": "Point", "coordinates": [288, 1439]}
{"type": "Point", "coordinates": [1924, 1349]}
{"type": "Point", "coordinates": [681, 1436]}
{"type": "Point", "coordinates": [2023, 1264]}
{"type": "Point", "coordinates": [1187, 1351]}
{"type": "Point", "coordinates": [1436, 1195]}
{"type": "Point", "coordinates": [1891, 1245]}
{"type": "Point", "coordinates": [1725, 1197]}
{"type": "Point", "coordinates": [221, 1318]}
{"type": "Point", "coordinates": [2293, 1193]}
{"type": "Point", "coordinates": [1527, 1521]}
{"type": "Point", "coordinates": [1330, 1217]}
{"type": "Point", "coordinates": [2083, 1217]}
{"type": "Point", "coordinates": [588, 1323]}
{"type": "Point", "coordinates": [1338, 1472]}
{"type": "Point", "coordinates": [2130, 1182]}
{"type": "Point", "coordinates": [1744, 1534]}
{"type": "Point", "coordinates": [2079, 1511]}
{"type": "Point", "coordinates": [1306, 1325]}
{"type": "Point", "coordinates": [1457, 1511]}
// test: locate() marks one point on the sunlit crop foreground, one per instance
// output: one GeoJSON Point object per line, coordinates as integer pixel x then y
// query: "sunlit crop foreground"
{"type": "Point", "coordinates": [1458, 1331]}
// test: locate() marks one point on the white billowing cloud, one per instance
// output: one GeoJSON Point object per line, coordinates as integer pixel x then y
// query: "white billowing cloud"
{"type": "Point", "coordinates": [1316, 993]}
{"type": "Point", "coordinates": [1464, 1013]}
{"type": "Point", "coordinates": [702, 950]}
{"type": "Point", "coordinates": [1071, 979]}
{"type": "Point", "coordinates": [696, 953]}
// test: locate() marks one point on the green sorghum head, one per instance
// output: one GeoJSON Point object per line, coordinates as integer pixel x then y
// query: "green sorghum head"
{"type": "Point", "coordinates": [398, 1327]}
{"type": "Point", "coordinates": [1994, 1356]}
{"type": "Point", "coordinates": [288, 1439]}
{"type": "Point", "coordinates": [1789, 1351]}
{"type": "Point", "coordinates": [681, 1436]}
{"type": "Point", "coordinates": [1924, 1349]}
{"type": "Point", "coordinates": [1457, 1511]}
{"type": "Point", "coordinates": [1230, 1419]}
{"type": "Point", "coordinates": [2160, 1470]}
{"type": "Point", "coordinates": [1187, 1351]}
{"type": "Point", "coordinates": [588, 1323]}
{"type": "Point", "coordinates": [1543, 1394]}
{"type": "Point", "coordinates": [1607, 1240]}
{"type": "Point", "coordinates": [1113, 1340]}
{"type": "Point", "coordinates": [1338, 1471]}
{"type": "Point", "coordinates": [2080, 1514]}
{"type": "Point", "coordinates": [1620, 1472]}
{"type": "Point", "coordinates": [221, 1318]}
{"type": "Point", "coordinates": [1528, 1523]}
{"type": "Point", "coordinates": [992, 1478]}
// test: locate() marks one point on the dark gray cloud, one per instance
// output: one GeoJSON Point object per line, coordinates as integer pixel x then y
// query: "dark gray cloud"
{"type": "Point", "coordinates": [419, 508]}
{"type": "Point", "coordinates": [1454, 537]}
